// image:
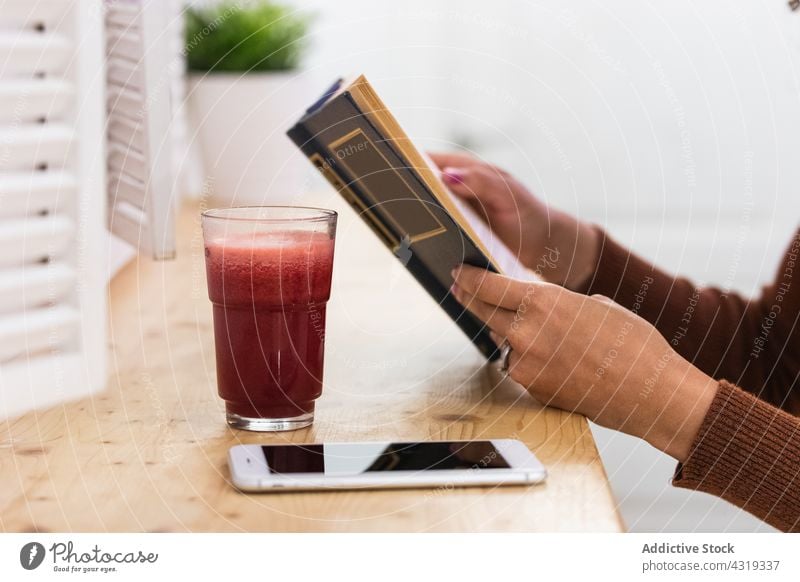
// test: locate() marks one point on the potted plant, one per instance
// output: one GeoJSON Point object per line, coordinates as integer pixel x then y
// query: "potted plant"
{"type": "Point", "coordinates": [244, 92]}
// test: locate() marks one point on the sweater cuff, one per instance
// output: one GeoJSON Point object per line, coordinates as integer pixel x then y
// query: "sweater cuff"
{"type": "Point", "coordinates": [748, 453]}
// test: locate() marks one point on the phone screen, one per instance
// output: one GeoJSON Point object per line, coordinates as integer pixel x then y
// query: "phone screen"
{"type": "Point", "coordinates": [357, 458]}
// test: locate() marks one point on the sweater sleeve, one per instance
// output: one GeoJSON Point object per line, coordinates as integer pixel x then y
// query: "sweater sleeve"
{"type": "Point", "coordinates": [748, 453]}
{"type": "Point", "coordinates": [754, 343]}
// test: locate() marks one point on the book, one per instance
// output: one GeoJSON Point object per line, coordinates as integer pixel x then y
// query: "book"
{"type": "Point", "coordinates": [359, 147]}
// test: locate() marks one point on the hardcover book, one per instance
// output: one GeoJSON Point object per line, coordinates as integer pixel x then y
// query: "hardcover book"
{"type": "Point", "coordinates": [360, 148]}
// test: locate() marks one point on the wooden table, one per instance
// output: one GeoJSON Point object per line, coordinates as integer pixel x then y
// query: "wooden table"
{"type": "Point", "coordinates": [149, 453]}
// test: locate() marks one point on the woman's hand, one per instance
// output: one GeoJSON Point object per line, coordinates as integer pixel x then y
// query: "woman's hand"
{"type": "Point", "coordinates": [589, 355]}
{"type": "Point", "coordinates": [522, 222]}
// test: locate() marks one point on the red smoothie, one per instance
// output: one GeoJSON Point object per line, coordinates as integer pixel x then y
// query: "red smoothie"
{"type": "Point", "coordinates": [269, 292]}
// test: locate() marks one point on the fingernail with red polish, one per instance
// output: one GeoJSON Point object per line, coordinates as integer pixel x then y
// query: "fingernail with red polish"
{"type": "Point", "coordinates": [452, 176]}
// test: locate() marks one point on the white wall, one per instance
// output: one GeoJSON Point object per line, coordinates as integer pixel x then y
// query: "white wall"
{"type": "Point", "coordinates": [673, 124]}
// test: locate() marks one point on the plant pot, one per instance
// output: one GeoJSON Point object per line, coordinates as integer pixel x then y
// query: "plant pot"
{"type": "Point", "coordinates": [239, 120]}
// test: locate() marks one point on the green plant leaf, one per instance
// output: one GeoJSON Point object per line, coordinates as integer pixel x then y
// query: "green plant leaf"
{"type": "Point", "coordinates": [243, 37]}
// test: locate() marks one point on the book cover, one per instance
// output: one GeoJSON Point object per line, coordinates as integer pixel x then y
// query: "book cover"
{"type": "Point", "coordinates": [355, 142]}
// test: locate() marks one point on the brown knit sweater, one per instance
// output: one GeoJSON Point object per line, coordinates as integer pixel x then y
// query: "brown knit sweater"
{"type": "Point", "coordinates": [748, 448]}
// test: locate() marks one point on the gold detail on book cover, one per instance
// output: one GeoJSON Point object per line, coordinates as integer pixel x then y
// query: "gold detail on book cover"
{"type": "Point", "coordinates": [356, 152]}
{"type": "Point", "coordinates": [325, 169]}
{"type": "Point", "coordinates": [374, 107]}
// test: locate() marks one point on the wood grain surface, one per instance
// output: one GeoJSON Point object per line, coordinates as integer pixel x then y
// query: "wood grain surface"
{"type": "Point", "coordinates": [149, 453]}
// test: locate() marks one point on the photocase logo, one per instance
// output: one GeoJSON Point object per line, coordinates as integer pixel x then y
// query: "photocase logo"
{"type": "Point", "coordinates": [31, 555]}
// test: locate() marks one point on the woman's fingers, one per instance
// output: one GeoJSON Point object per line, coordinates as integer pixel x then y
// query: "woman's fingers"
{"type": "Point", "coordinates": [470, 178]}
{"type": "Point", "coordinates": [471, 183]}
{"type": "Point", "coordinates": [463, 160]}
{"type": "Point", "coordinates": [495, 289]}
{"type": "Point", "coordinates": [497, 318]}
{"type": "Point", "coordinates": [453, 159]}
{"type": "Point", "coordinates": [481, 182]}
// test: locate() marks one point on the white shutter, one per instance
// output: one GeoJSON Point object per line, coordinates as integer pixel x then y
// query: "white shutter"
{"type": "Point", "coordinates": [52, 203]}
{"type": "Point", "coordinates": [140, 166]}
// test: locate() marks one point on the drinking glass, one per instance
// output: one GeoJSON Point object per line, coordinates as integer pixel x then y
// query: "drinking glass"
{"type": "Point", "coordinates": [269, 279]}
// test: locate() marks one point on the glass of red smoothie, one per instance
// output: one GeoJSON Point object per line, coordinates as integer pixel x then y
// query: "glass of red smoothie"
{"type": "Point", "coordinates": [269, 279]}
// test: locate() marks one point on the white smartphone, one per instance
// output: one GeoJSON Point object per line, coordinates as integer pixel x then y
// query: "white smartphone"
{"type": "Point", "coordinates": [383, 465]}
